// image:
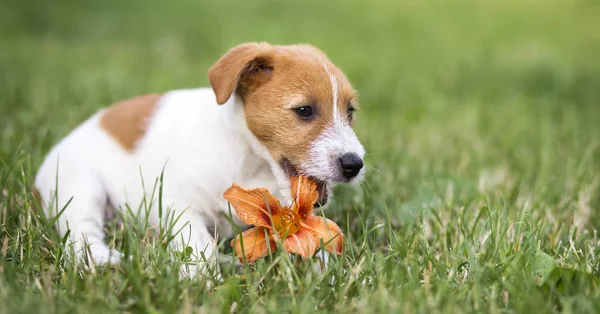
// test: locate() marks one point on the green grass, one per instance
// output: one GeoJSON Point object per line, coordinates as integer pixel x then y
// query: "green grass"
{"type": "Point", "coordinates": [481, 121]}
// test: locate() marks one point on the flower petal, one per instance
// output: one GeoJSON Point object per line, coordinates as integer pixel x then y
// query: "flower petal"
{"type": "Point", "coordinates": [304, 192]}
{"type": "Point", "coordinates": [256, 244]}
{"type": "Point", "coordinates": [302, 243]}
{"type": "Point", "coordinates": [327, 231]}
{"type": "Point", "coordinates": [253, 206]}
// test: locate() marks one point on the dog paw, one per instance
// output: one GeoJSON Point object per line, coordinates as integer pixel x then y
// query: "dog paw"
{"type": "Point", "coordinates": [212, 275]}
{"type": "Point", "coordinates": [322, 264]}
{"type": "Point", "coordinates": [100, 255]}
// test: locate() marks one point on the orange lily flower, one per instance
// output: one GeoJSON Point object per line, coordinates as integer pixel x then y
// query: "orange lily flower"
{"type": "Point", "coordinates": [301, 232]}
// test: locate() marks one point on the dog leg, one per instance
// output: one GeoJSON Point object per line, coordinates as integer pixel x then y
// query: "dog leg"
{"type": "Point", "coordinates": [196, 244]}
{"type": "Point", "coordinates": [83, 198]}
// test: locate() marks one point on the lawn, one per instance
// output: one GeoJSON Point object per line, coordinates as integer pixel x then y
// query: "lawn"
{"type": "Point", "coordinates": [481, 122]}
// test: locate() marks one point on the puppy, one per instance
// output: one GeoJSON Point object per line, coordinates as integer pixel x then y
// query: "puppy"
{"type": "Point", "coordinates": [272, 112]}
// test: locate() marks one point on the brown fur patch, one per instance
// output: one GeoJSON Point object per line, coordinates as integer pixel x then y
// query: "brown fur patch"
{"type": "Point", "coordinates": [272, 80]}
{"type": "Point", "coordinates": [239, 62]}
{"type": "Point", "coordinates": [126, 121]}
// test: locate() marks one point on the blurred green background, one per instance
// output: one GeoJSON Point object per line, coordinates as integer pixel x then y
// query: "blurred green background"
{"type": "Point", "coordinates": [465, 104]}
{"type": "Point", "coordinates": [448, 89]}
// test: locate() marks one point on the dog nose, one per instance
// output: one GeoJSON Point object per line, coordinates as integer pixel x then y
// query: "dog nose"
{"type": "Point", "coordinates": [351, 165]}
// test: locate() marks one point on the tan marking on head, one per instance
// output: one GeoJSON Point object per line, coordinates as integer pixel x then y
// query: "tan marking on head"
{"type": "Point", "coordinates": [126, 121]}
{"type": "Point", "coordinates": [241, 67]}
{"type": "Point", "coordinates": [272, 81]}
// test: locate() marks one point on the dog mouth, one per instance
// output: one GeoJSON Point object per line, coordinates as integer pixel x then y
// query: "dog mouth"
{"type": "Point", "coordinates": [291, 171]}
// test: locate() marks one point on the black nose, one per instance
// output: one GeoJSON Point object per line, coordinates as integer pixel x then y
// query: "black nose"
{"type": "Point", "coordinates": [351, 165]}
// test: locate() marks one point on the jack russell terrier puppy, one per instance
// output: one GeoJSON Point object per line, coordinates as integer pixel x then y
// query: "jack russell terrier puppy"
{"type": "Point", "coordinates": [272, 112]}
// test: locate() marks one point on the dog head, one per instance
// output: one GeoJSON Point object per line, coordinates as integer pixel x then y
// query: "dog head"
{"type": "Point", "coordinates": [299, 106]}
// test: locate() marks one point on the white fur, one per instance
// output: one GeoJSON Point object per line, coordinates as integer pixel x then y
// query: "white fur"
{"type": "Point", "coordinates": [203, 148]}
{"type": "Point", "coordinates": [336, 140]}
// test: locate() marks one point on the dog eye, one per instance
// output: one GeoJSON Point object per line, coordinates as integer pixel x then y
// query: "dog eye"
{"type": "Point", "coordinates": [304, 112]}
{"type": "Point", "coordinates": [351, 111]}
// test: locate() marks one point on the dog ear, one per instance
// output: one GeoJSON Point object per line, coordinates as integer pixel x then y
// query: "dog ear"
{"type": "Point", "coordinates": [240, 70]}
